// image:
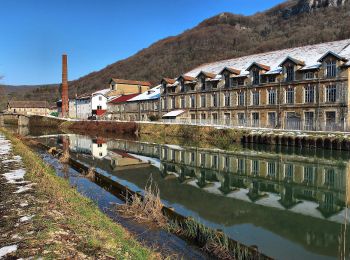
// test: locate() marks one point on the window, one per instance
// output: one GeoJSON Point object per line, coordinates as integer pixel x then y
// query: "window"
{"type": "Point", "coordinates": [182, 102]}
{"type": "Point", "coordinates": [203, 83]}
{"type": "Point", "coordinates": [271, 79]}
{"type": "Point", "coordinates": [100, 98]}
{"type": "Point", "coordinates": [203, 101]}
{"type": "Point", "coordinates": [290, 96]}
{"type": "Point", "coordinates": [241, 81]}
{"type": "Point", "coordinates": [241, 98]}
{"type": "Point", "coordinates": [271, 119]}
{"type": "Point", "coordinates": [308, 174]}
{"type": "Point", "coordinates": [99, 107]}
{"type": "Point", "coordinates": [331, 93]}
{"type": "Point", "coordinates": [202, 159]}
{"type": "Point", "coordinates": [309, 75]}
{"type": "Point", "coordinates": [255, 98]}
{"type": "Point", "coordinates": [331, 69]}
{"type": "Point", "coordinates": [255, 119]}
{"type": "Point", "coordinates": [329, 177]}
{"type": "Point", "coordinates": [309, 94]}
{"type": "Point", "coordinates": [256, 77]}
{"type": "Point", "coordinates": [173, 103]}
{"type": "Point", "coordinates": [215, 118]}
{"type": "Point", "coordinates": [309, 121]}
{"type": "Point", "coordinates": [215, 100]}
{"type": "Point", "coordinates": [289, 171]}
{"type": "Point", "coordinates": [290, 73]}
{"type": "Point", "coordinates": [192, 101]}
{"type": "Point", "coordinates": [255, 167]}
{"type": "Point", "coordinates": [182, 86]}
{"type": "Point", "coordinates": [241, 119]}
{"type": "Point", "coordinates": [241, 165]}
{"type": "Point", "coordinates": [155, 105]}
{"type": "Point", "coordinates": [272, 96]}
{"type": "Point", "coordinates": [192, 157]}
{"type": "Point", "coordinates": [215, 161]}
{"type": "Point", "coordinates": [330, 120]}
{"type": "Point", "coordinates": [271, 169]}
{"type": "Point", "coordinates": [227, 99]}
{"type": "Point", "coordinates": [227, 81]}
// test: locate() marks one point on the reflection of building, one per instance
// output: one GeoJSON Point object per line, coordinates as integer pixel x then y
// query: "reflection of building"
{"type": "Point", "coordinates": [85, 145]}
{"type": "Point", "coordinates": [120, 159]}
{"type": "Point", "coordinates": [307, 185]}
{"type": "Point", "coordinates": [99, 148]}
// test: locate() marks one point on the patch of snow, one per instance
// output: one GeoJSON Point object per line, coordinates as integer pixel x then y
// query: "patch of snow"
{"type": "Point", "coordinates": [7, 250]}
{"type": "Point", "coordinates": [308, 54]}
{"type": "Point", "coordinates": [24, 204]}
{"type": "Point", "coordinates": [24, 188]}
{"type": "Point", "coordinates": [25, 218]}
{"type": "Point", "coordinates": [15, 175]}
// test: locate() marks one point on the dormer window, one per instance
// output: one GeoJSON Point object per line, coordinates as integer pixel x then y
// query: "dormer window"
{"type": "Point", "coordinates": [309, 75]}
{"type": "Point", "coordinates": [203, 83]}
{"type": "Point", "coordinates": [227, 80]}
{"type": "Point", "coordinates": [182, 86]}
{"type": "Point", "coordinates": [331, 69]}
{"type": "Point", "coordinates": [256, 77]}
{"type": "Point", "coordinates": [290, 73]}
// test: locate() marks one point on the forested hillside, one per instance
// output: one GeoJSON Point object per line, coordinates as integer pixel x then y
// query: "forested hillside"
{"type": "Point", "coordinates": [291, 24]}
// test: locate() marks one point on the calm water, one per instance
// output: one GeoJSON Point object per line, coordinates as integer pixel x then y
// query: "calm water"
{"type": "Point", "coordinates": [289, 202]}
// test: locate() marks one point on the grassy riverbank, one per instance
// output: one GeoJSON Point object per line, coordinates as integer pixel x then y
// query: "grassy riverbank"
{"type": "Point", "coordinates": [67, 221]}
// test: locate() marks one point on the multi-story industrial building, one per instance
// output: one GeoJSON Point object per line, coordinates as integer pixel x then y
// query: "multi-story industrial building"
{"type": "Point", "coordinates": [303, 88]}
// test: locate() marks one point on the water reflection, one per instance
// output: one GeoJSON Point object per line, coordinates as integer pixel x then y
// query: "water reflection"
{"type": "Point", "coordinates": [291, 204]}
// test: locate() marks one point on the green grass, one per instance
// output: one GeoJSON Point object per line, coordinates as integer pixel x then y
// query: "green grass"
{"type": "Point", "coordinates": [96, 232]}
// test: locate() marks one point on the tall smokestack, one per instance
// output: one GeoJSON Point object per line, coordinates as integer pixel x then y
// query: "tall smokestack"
{"type": "Point", "coordinates": [65, 104]}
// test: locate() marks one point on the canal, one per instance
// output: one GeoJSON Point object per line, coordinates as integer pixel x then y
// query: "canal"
{"type": "Point", "coordinates": [290, 203]}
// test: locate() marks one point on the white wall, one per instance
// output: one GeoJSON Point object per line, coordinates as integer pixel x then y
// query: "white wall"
{"type": "Point", "coordinates": [83, 108]}
{"type": "Point", "coordinates": [98, 100]}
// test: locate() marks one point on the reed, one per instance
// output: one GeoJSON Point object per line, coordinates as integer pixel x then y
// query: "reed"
{"type": "Point", "coordinates": [146, 209]}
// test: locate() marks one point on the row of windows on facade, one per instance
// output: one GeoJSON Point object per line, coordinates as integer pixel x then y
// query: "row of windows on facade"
{"type": "Point", "coordinates": [309, 171]}
{"type": "Point", "coordinates": [331, 96]}
{"type": "Point", "coordinates": [257, 78]}
{"type": "Point", "coordinates": [289, 74]}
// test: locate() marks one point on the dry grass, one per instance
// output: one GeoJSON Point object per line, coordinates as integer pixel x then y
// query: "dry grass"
{"type": "Point", "coordinates": [147, 209]}
{"type": "Point", "coordinates": [65, 211]}
{"type": "Point", "coordinates": [91, 174]}
{"type": "Point", "coordinates": [65, 157]}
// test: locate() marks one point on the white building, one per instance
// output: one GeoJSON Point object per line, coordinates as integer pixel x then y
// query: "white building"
{"type": "Point", "coordinates": [83, 107]}
{"type": "Point", "coordinates": [99, 101]}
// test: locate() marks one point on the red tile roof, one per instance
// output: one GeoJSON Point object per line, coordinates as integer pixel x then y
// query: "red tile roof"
{"type": "Point", "coordinates": [131, 82]}
{"type": "Point", "coordinates": [169, 81]}
{"type": "Point", "coordinates": [123, 98]}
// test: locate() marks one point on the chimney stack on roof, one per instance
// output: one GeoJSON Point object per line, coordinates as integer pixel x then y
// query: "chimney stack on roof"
{"type": "Point", "coordinates": [65, 104]}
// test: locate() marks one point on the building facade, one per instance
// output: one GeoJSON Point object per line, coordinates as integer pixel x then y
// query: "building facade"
{"type": "Point", "coordinates": [303, 88]}
{"type": "Point", "coordinates": [125, 87]}
{"type": "Point", "coordinates": [29, 107]}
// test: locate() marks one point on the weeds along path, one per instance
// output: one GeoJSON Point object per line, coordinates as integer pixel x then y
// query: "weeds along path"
{"type": "Point", "coordinates": [42, 216]}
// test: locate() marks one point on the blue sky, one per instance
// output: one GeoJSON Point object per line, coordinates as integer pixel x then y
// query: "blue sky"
{"type": "Point", "coordinates": [94, 33]}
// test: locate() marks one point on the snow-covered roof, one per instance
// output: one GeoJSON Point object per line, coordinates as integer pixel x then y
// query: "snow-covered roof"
{"type": "Point", "coordinates": [174, 113]}
{"type": "Point", "coordinates": [153, 93]}
{"type": "Point", "coordinates": [308, 54]}
{"type": "Point", "coordinates": [102, 92]}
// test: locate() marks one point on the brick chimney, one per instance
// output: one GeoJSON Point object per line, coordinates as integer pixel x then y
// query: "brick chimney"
{"type": "Point", "coordinates": [65, 103]}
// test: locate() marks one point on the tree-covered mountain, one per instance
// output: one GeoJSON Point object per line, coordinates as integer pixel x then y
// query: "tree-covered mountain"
{"type": "Point", "coordinates": [290, 24]}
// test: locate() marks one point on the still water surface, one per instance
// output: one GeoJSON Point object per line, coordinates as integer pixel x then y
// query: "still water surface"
{"type": "Point", "coordinates": [290, 203]}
